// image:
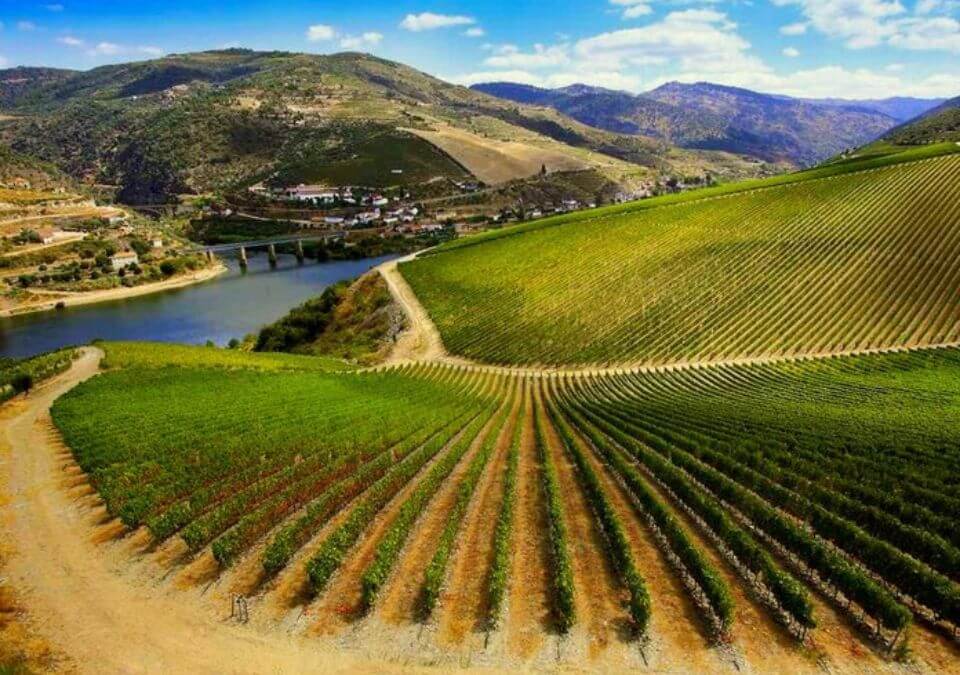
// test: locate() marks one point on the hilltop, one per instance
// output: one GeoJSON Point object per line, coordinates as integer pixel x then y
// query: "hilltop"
{"type": "Point", "coordinates": [836, 259]}
{"type": "Point", "coordinates": [223, 120]}
{"type": "Point", "coordinates": [935, 126]}
{"type": "Point", "coordinates": [710, 116]}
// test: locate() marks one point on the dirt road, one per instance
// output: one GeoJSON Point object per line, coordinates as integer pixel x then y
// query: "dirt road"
{"type": "Point", "coordinates": [92, 611]}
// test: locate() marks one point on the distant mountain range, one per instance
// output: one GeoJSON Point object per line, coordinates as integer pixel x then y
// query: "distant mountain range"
{"type": "Point", "coordinates": [222, 120]}
{"type": "Point", "coordinates": [709, 116]}
{"type": "Point", "coordinates": [934, 126]}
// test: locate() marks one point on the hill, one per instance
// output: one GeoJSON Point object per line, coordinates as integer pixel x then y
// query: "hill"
{"type": "Point", "coordinates": [900, 108]}
{"type": "Point", "coordinates": [830, 261]}
{"type": "Point", "coordinates": [935, 126]}
{"type": "Point", "coordinates": [709, 116]}
{"type": "Point", "coordinates": [223, 120]}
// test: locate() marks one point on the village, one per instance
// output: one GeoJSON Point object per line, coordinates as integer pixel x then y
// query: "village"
{"type": "Point", "coordinates": [395, 212]}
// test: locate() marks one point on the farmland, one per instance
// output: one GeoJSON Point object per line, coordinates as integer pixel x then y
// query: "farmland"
{"type": "Point", "coordinates": [858, 260]}
{"type": "Point", "coordinates": [676, 510]}
{"type": "Point", "coordinates": [766, 480]}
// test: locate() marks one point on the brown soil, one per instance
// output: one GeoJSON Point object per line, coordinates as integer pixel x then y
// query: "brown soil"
{"type": "Point", "coordinates": [340, 602]}
{"type": "Point", "coordinates": [463, 605]}
{"type": "Point", "coordinates": [528, 607]}
{"type": "Point", "coordinates": [402, 593]}
{"type": "Point", "coordinates": [675, 623]}
{"type": "Point", "coordinates": [598, 593]}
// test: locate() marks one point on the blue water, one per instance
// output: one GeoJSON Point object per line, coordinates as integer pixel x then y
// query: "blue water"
{"type": "Point", "coordinates": [230, 306]}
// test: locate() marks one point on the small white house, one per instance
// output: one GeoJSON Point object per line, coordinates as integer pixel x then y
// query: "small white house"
{"type": "Point", "coordinates": [123, 260]}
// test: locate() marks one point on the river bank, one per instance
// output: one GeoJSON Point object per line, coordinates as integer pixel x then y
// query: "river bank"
{"type": "Point", "coordinates": [92, 297]}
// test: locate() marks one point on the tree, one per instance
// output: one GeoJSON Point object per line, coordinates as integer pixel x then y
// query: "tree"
{"type": "Point", "coordinates": [543, 169]}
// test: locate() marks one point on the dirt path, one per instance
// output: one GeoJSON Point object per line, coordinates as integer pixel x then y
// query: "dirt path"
{"type": "Point", "coordinates": [421, 341]}
{"type": "Point", "coordinates": [77, 590]}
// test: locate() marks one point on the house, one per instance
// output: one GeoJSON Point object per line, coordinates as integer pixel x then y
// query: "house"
{"type": "Point", "coordinates": [333, 220]}
{"type": "Point", "coordinates": [48, 235]}
{"type": "Point", "coordinates": [123, 260]}
{"type": "Point", "coordinates": [116, 220]}
{"type": "Point", "coordinates": [158, 243]}
{"type": "Point", "coordinates": [380, 201]}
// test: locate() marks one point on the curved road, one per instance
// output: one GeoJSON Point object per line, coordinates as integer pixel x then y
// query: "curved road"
{"type": "Point", "coordinates": [79, 599]}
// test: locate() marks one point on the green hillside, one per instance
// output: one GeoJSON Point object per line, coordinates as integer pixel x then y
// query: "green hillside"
{"type": "Point", "coordinates": [856, 260]}
{"type": "Point", "coordinates": [223, 120]}
{"type": "Point", "coordinates": [936, 126]}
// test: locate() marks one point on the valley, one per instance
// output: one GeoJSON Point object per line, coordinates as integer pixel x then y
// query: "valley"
{"type": "Point", "coordinates": [507, 378]}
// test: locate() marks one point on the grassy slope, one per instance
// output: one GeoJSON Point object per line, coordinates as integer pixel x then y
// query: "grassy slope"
{"type": "Point", "coordinates": [745, 275]}
{"type": "Point", "coordinates": [159, 355]}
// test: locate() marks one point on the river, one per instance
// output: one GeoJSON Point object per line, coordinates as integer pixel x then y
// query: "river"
{"type": "Point", "coordinates": [229, 306]}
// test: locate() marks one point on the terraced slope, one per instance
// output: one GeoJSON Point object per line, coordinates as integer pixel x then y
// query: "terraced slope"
{"type": "Point", "coordinates": [854, 261]}
{"type": "Point", "coordinates": [723, 516]}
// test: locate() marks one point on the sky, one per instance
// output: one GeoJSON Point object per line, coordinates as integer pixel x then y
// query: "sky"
{"type": "Point", "coordinates": [810, 48]}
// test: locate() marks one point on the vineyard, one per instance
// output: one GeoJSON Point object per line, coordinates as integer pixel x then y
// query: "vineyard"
{"type": "Point", "coordinates": [768, 514]}
{"type": "Point", "coordinates": [827, 262]}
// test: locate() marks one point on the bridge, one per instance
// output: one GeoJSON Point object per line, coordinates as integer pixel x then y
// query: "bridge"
{"type": "Point", "coordinates": [270, 244]}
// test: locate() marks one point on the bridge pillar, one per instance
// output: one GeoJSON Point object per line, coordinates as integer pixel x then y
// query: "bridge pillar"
{"type": "Point", "coordinates": [272, 255]}
{"type": "Point", "coordinates": [299, 250]}
{"type": "Point", "coordinates": [242, 255]}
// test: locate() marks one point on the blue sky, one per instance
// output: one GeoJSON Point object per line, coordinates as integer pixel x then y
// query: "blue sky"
{"type": "Point", "coordinates": [844, 48]}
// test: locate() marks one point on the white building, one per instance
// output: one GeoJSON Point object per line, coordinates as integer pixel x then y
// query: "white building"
{"type": "Point", "coordinates": [123, 260]}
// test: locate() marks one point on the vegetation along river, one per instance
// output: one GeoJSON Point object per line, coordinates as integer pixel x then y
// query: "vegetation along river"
{"type": "Point", "coordinates": [230, 306]}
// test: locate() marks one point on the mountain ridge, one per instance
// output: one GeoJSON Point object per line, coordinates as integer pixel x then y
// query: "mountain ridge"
{"type": "Point", "coordinates": [718, 117]}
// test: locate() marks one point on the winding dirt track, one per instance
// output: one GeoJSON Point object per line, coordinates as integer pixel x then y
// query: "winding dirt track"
{"type": "Point", "coordinates": [90, 611]}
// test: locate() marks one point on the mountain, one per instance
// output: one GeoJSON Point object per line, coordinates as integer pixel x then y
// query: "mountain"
{"type": "Point", "coordinates": [17, 84]}
{"type": "Point", "coordinates": [715, 117]}
{"type": "Point", "coordinates": [900, 108]}
{"type": "Point", "coordinates": [934, 126]}
{"type": "Point", "coordinates": [226, 119]}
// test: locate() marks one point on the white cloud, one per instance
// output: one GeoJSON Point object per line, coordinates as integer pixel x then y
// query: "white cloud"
{"type": "Point", "coordinates": [106, 49]}
{"type": "Point", "coordinates": [793, 29]}
{"type": "Point", "coordinates": [320, 32]}
{"type": "Point", "coordinates": [509, 56]}
{"type": "Point", "coordinates": [938, 33]}
{"type": "Point", "coordinates": [475, 32]}
{"type": "Point", "coordinates": [633, 8]}
{"type": "Point", "coordinates": [26, 26]}
{"type": "Point", "coordinates": [71, 41]}
{"type": "Point", "coordinates": [869, 23]}
{"type": "Point", "coordinates": [791, 52]}
{"type": "Point", "coordinates": [692, 40]}
{"type": "Point", "coordinates": [430, 21]}
{"type": "Point", "coordinates": [366, 40]}
{"type": "Point", "coordinates": [895, 68]}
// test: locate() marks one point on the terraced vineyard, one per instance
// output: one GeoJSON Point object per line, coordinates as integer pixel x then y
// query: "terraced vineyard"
{"type": "Point", "coordinates": [849, 262]}
{"type": "Point", "coordinates": [770, 514]}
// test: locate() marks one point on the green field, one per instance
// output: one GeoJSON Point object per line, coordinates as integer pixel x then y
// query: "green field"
{"type": "Point", "coordinates": [855, 260]}
{"type": "Point", "coordinates": [847, 466]}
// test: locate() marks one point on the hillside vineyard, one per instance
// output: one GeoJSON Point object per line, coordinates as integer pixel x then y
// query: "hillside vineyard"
{"type": "Point", "coordinates": [847, 263]}
{"type": "Point", "coordinates": [805, 494]}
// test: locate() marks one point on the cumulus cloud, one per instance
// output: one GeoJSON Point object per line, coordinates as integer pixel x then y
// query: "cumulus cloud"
{"type": "Point", "coordinates": [430, 21]}
{"type": "Point", "coordinates": [474, 32]}
{"type": "Point", "coordinates": [610, 80]}
{"type": "Point", "coordinates": [510, 56]}
{"type": "Point", "coordinates": [320, 32]}
{"type": "Point", "coordinates": [791, 52]}
{"type": "Point", "coordinates": [364, 41]}
{"type": "Point", "coordinates": [71, 41]}
{"type": "Point", "coordinates": [869, 23]}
